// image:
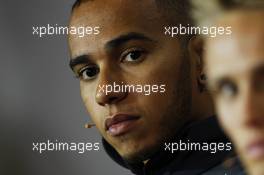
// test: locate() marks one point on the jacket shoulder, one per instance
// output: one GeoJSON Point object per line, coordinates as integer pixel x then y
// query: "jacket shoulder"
{"type": "Point", "coordinates": [231, 166]}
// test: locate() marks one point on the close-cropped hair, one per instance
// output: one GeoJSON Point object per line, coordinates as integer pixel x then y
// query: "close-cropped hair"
{"type": "Point", "coordinates": [176, 11]}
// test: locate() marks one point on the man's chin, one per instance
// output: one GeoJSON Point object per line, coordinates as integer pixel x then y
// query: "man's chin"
{"type": "Point", "coordinates": [134, 156]}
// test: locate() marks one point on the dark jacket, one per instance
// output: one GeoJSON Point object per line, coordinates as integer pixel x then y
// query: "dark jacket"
{"type": "Point", "coordinates": [192, 162]}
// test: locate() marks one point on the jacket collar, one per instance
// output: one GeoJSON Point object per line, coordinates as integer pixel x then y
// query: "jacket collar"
{"type": "Point", "coordinates": [206, 130]}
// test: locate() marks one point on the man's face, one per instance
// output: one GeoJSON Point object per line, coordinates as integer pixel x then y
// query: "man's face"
{"type": "Point", "coordinates": [236, 75]}
{"type": "Point", "coordinates": [131, 49]}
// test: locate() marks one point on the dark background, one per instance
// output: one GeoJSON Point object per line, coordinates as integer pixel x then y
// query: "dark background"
{"type": "Point", "coordinates": [39, 96]}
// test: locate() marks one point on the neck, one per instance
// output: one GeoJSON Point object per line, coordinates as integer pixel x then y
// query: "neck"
{"type": "Point", "coordinates": [203, 106]}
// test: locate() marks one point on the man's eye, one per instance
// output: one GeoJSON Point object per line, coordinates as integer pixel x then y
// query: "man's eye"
{"type": "Point", "coordinates": [88, 73]}
{"type": "Point", "coordinates": [228, 90]}
{"type": "Point", "coordinates": [133, 56]}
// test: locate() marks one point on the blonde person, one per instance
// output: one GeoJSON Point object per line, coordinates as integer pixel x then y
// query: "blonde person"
{"type": "Point", "coordinates": [235, 69]}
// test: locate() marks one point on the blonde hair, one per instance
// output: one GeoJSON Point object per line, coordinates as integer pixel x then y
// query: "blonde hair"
{"type": "Point", "coordinates": [204, 12]}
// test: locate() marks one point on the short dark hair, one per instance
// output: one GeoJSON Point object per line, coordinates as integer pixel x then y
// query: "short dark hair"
{"type": "Point", "coordinates": [76, 4]}
{"type": "Point", "coordinates": [175, 10]}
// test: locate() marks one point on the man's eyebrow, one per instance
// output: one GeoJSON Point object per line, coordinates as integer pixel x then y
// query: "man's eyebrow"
{"type": "Point", "coordinates": [83, 59]}
{"type": "Point", "coordinates": [125, 38]}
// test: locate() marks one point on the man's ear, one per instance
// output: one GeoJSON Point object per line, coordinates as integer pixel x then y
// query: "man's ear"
{"type": "Point", "coordinates": [196, 51]}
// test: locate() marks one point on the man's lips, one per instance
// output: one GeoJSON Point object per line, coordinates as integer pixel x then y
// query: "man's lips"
{"type": "Point", "coordinates": [120, 123]}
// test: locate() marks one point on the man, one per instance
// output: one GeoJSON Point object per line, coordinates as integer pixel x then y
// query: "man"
{"type": "Point", "coordinates": [131, 49]}
{"type": "Point", "coordinates": [236, 73]}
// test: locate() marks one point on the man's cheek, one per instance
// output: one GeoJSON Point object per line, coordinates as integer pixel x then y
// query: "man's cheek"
{"type": "Point", "coordinates": [88, 97]}
{"type": "Point", "coordinates": [150, 108]}
{"type": "Point", "coordinates": [84, 93]}
{"type": "Point", "coordinates": [92, 108]}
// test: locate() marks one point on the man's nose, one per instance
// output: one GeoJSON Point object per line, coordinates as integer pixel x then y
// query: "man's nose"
{"type": "Point", "coordinates": [109, 90]}
{"type": "Point", "coordinates": [252, 109]}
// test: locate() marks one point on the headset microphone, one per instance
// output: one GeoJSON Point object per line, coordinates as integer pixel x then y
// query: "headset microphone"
{"type": "Point", "coordinates": [89, 125]}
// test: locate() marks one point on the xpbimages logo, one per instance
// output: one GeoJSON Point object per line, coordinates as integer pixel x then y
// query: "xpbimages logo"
{"type": "Point", "coordinates": [212, 31]}
{"type": "Point", "coordinates": [138, 88]}
{"type": "Point", "coordinates": [80, 31]}
{"type": "Point", "coordinates": [49, 146]}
